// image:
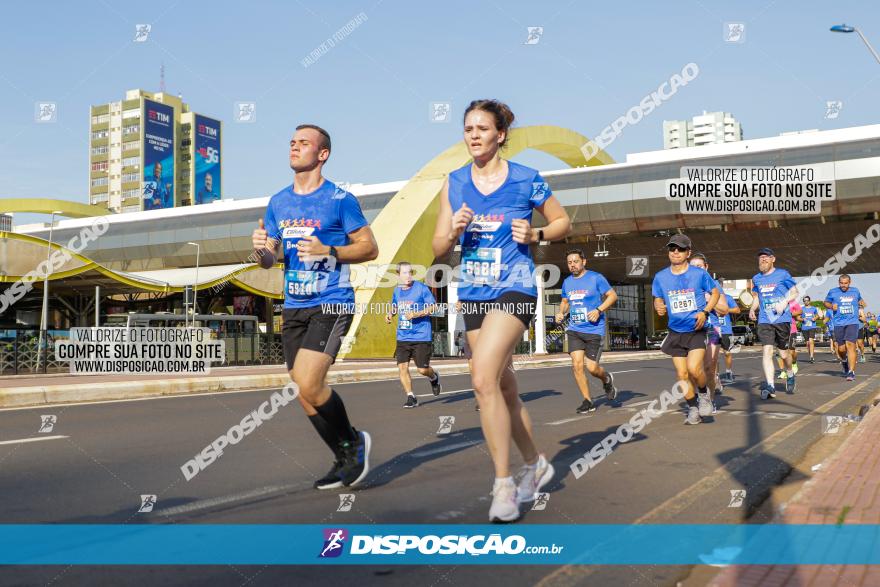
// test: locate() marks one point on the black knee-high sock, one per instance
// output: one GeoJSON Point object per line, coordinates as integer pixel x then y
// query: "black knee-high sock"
{"type": "Point", "coordinates": [333, 411]}
{"type": "Point", "coordinates": [328, 435]}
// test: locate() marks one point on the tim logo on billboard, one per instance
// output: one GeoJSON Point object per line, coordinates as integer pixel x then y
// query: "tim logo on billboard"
{"type": "Point", "coordinates": [334, 542]}
{"type": "Point", "coordinates": [207, 160]}
{"type": "Point", "coordinates": [158, 164]}
{"type": "Point", "coordinates": [159, 117]}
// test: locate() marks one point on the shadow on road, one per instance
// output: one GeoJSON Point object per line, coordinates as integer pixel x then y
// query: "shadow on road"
{"type": "Point", "coordinates": [576, 446]}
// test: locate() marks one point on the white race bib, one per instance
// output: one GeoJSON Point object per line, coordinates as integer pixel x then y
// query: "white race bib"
{"type": "Point", "coordinates": [682, 303]}
{"type": "Point", "coordinates": [481, 265]}
{"type": "Point", "coordinates": [302, 283]}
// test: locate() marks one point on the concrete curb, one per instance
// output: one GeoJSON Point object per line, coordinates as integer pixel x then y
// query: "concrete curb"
{"type": "Point", "coordinates": [58, 394]}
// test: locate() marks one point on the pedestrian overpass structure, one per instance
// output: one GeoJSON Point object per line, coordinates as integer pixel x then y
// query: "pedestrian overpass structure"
{"type": "Point", "coordinates": [618, 210]}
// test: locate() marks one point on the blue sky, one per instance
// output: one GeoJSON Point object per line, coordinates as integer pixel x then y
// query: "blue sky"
{"type": "Point", "coordinates": [374, 88]}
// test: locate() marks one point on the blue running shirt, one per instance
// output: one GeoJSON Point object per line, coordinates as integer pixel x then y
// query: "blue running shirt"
{"type": "Point", "coordinates": [491, 262]}
{"type": "Point", "coordinates": [847, 305]}
{"type": "Point", "coordinates": [684, 296]}
{"type": "Point", "coordinates": [809, 314]}
{"type": "Point", "coordinates": [328, 213]}
{"type": "Point", "coordinates": [722, 323]}
{"type": "Point", "coordinates": [414, 299]}
{"type": "Point", "coordinates": [771, 289]}
{"type": "Point", "coordinates": [585, 294]}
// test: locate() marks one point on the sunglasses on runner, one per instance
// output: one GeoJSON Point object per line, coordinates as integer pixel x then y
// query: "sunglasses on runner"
{"type": "Point", "coordinates": [676, 249]}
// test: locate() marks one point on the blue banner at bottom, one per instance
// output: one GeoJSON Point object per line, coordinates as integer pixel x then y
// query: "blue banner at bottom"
{"type": "Point", "coordinates": [665, 544]}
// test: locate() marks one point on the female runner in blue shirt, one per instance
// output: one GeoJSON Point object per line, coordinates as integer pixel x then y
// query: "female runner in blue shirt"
{"type": "Point", "coordinates": [486, 207]}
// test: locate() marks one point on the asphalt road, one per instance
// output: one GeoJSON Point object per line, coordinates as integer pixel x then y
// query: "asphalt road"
{"type": "Point", "coordinates": [100, 458]}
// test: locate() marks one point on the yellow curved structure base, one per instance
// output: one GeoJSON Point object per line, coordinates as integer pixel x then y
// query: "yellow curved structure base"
{"type": "Point", "coordinates": [405, 226]}
{"type": "Point", "coordinates": [47, 206]}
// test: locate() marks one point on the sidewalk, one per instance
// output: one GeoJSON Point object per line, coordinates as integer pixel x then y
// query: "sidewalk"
{"type": "Point", "coordinates": [35, 390]}
{"type": "Point", "coordinates": [845, 490]}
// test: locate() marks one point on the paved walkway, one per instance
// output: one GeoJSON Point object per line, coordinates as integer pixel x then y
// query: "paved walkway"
{"type": "Point", "coordinates": [846, 488]}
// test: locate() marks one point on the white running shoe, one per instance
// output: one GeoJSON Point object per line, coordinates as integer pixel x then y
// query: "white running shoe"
{"type": "Point", "coordinates": [504, 505]}
{"type": "Point", "coordinates": [704, 403]}
{"type": "Point", "coordinates": [532, 479]}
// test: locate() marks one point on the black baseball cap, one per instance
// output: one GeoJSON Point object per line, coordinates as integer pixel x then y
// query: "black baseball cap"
{"type": "Point", "coordinates": [766, 251]}
{"type": "Point", "coordinates": [680, 240]}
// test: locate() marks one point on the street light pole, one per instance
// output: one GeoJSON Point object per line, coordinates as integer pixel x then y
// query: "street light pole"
{"type": "Point", "coordinates": [196, 286]}
{"type": "Point", "coordinates": [44, 315]}
{"type": "Point", "coordinates": [842, 28]}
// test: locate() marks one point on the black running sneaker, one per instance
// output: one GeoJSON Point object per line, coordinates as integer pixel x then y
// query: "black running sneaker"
{"type": "Point", "coordinates": [610, 390]}
{"type": "Point", "coordinates": [355, 460]}
{"type": "Point", "coordinates": [585, 407]}
{"type": "Point", "coordinates": [411, 401]}
{"type": "Point", "coordinates": [331, 480]}
{"type": "Point", "coordinates": [436, 388]}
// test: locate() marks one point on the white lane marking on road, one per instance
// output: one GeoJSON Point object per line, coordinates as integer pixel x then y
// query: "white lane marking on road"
{"type": "Point", "coordinates": [445, 392]}
{"type": "Point", "coordinates": [217, 501]}
{"type": "Point", "coordinates": [567, 420]}
{"type": "Point", "coordinates": [626, 371]}
{"type": "Point", "coordinates": [34, 439]}
{"type": "Point", "coordinates": [447, 448]}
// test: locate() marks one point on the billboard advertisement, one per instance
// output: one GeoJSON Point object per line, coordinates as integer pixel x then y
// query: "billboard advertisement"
{"type": "Point", "coordinates": [206, 159]}
{"type": "Point", "coordinates": [158, 155]}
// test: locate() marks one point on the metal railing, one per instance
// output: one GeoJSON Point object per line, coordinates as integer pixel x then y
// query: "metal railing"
{"type": "Point", "coordinates": [21, 352]}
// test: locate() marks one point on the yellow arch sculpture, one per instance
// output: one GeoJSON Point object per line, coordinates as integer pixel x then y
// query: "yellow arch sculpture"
{"type": "Point", "coordinates": [405, 226]}
{"type": "Point", "coordinates": [48, 205]}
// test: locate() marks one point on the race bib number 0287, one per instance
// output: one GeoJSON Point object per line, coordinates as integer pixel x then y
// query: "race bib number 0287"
{"type": "Point", "coordinates": [682, 303]}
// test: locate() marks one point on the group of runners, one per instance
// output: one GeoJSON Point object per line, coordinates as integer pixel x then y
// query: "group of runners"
{"type": "Point", "coordinates": [315, 228]}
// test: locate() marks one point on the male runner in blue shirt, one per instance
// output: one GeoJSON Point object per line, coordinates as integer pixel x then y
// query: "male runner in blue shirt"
{"type": "Point", "coordinates": [318, 229]}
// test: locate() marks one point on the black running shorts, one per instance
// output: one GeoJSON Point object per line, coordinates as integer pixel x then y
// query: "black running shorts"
{"type": "Point", "coordinates": [310, 328]}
